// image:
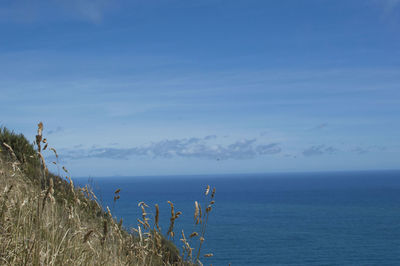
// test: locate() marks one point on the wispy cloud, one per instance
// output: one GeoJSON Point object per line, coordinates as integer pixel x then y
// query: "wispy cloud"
{"type": "Point", "coordinates": [390, 5]}
{"type": "Point", "coordinates": [367, 149]}
{"type": "Point", "coordinates": [320, 126]}
{"type": "Point", "coordinates": [360, 150]}
{"type": "Point", "coordinates": [209, 137]}
{"type": "Point", "coordinates": [92, 10]}
{"type": "Point", "coordinates": [319, 150]}
{"type": "Point", "coordinates": [201, 148]}
{"type": "Point", "coordinates": [56, 130]}
{"type": "Point", "coordinates": [31, 11]}
{"type": "Point", "coordinates": [387, 7]}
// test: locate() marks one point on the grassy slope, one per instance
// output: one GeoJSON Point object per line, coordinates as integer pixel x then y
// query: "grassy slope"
{"type": "Point", "coordinates": [44, 220]}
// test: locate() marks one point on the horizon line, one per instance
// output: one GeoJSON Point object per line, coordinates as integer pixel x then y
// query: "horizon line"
{"type": "Point", "coordinates": [240, 174]}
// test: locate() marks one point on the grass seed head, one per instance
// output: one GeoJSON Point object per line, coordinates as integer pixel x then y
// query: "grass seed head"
{"type": "Point", "coordinates": [196, 210]}
{"type": "Point", "coordinates": [157, 217]}
{"type": "Point", "coordinates": [55, 152]}
{"type": "Point", "coordinates": [172, 209]}
{"type": "Point", "coordinates": [87, 235]}
{"type": "Point", "coordinates": [207, 190]}
{"type": "Point", "coordinates": [194, 234]}
{"type": "Point", "coordinates": [65, 169]}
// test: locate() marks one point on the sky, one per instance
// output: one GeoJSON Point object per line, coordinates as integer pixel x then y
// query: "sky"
{"type": "Point", "coordinates": [183, 87]}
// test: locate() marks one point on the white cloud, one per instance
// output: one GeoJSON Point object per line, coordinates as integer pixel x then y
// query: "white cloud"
{"type": "Point", "coordinates": [201, 148]}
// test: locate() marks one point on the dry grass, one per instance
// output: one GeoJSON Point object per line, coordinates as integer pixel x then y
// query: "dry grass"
{"type": "Point", "coordinates": [46, 220]}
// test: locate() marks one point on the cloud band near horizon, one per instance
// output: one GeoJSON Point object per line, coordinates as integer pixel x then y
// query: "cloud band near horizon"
{"type": "Point", "coordinates": [202, 148]}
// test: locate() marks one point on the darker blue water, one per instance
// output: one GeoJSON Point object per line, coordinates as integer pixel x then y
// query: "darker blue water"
{"type": "Point", "coordinates": [276, 219]}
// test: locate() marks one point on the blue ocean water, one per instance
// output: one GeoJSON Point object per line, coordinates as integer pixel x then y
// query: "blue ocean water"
{"type": "Point", "coordinates": [341, 218]}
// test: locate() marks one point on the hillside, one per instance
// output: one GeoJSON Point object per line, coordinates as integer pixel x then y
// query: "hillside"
{"type": "Point", "coordinates": [46, 220]}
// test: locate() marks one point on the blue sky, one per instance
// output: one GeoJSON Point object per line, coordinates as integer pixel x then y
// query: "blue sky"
{"type": "Point", "coordinates": [205, 87]}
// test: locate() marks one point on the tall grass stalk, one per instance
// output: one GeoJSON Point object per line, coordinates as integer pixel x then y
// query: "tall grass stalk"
{"type": "Point", "coordinates": [46, 220]}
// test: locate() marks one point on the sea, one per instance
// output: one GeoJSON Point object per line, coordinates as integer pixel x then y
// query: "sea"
{"type": "Point", "coordinates": [327, 218]}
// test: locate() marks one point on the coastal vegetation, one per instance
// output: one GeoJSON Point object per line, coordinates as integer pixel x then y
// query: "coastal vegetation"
{"type": "Point", "coordinates": [46, 220]}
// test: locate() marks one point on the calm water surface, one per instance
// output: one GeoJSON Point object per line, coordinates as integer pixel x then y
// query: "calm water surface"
{"type": "Point", "coordinates": [276, 219]}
